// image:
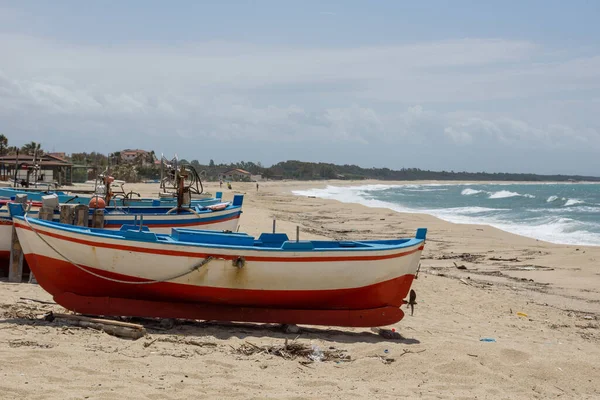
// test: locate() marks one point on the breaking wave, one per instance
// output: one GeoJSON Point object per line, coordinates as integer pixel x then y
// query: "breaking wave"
{"type": "Point", "coordinates": [538, 217]}
{"type": "Point", "coordinates": [572, 202]}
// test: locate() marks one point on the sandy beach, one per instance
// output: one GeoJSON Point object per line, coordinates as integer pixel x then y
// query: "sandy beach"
{"type": "Point", "coordinates": [473, 282]}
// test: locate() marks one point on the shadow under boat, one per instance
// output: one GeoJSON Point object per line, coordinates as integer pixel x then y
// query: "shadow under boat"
{"type": "Point", "coordinates": [228, 330]}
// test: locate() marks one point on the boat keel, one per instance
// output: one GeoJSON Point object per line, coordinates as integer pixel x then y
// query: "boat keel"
{"type": "Point", "coordinates": [111, 306]}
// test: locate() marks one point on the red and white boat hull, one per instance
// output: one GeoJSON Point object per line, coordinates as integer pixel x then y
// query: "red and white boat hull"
{"type": "Point", "coordinates": [5, 238]}
{"type": "Point", "coordinates": [291, 280]}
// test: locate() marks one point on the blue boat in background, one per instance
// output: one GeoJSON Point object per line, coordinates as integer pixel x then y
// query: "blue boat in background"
{"type": "Point", "coordinates": [73, 198]}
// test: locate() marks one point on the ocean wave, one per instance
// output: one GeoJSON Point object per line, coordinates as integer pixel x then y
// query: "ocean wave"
{"type": "Point", "coordinates": [563, 210]}
{"type": "Point", "coordinates": [470, 192]}
{"type": "Point", "coordinates": [572, 202]}
{"type": "Point", "coordinates": [425, 189]}
{"type": "Point", "coordinates": [503, 194]}
{"type": "Point", "coordinates": [336, 191]}
{"type": "Point", "coordinates": [556, 230]}
{"type": "Point", "coordinates": [352, 194]}
{"type": "Point", "coordinates": [548, 223]}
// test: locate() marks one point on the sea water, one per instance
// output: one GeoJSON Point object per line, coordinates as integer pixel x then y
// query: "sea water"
{"type": "Point", "coordinates": [566, 213]}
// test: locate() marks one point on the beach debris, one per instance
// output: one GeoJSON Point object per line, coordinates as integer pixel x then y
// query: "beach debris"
{"type": "Point", "coordinates": [459, 266]}
{"type": "Point", "coordinates": [294, 350]}
{"type": "Point", "coordinates": [28, 343]}
{"type": "Point", "coordinates": [316, 355]}
{"type": "Point", "coordinates": [504, 259]}
{"type": "Point", "coordinates": [23, 310]}
{"type": "Point", "coordinates": [114, 328]}
{"type": "Point", "coordinates": [487, 339]}
{"type": "Point", "coordinates": [389, 334]}
{"type": "Point", "coordinates": [386, 360]}
{"type": "Point", "coordinates": [291, 328]}
{"type": "Point", "coordinates": [148, 344]}
{"type": "Point", "coordinates": [589, 325]}
{"type": "Point", "coordinates": [38, 301]}
{"type": "Point", "coordinates": [465, 257]}
{"type": "Point", "coordinates": [522, 314]}
{"type": "Point", "coordinates": [180, 340]}
{"type": "Point", "coordinates": [389, 360]}
{"type": "Point", "coordinates": [167, 323]}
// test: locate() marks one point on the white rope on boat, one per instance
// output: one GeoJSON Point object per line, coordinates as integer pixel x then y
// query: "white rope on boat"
{"type": "Point", "coordinates": [194, 267]}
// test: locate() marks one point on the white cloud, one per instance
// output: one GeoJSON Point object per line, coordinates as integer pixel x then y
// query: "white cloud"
{"type": "Point", "coordinates": [436, 95]}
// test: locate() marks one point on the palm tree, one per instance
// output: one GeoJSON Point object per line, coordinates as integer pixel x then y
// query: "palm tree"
{"type": "Point", "coordinates": [11, 150]}
{"type": "Point", "coordinates": [151, 157]}
{"type": "Point", "coordinates": [116, 157]}
{"type": "Point", "coordinates": [32, 148]}
{"type": "Point", "coordinates": [3, 144]}
{"type": "Point", "coordinates": [139, 159]}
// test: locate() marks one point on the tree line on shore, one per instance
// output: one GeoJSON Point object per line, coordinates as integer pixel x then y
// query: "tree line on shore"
{"type": "Point", "coordinates": [145, 168]}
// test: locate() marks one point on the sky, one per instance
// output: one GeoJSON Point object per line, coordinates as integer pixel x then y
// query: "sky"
{"type": "Point", "coordinates": [503, 86]}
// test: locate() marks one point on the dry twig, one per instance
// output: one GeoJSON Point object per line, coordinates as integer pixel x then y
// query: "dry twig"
{"type": "Point", "coordinates": [293, 350]}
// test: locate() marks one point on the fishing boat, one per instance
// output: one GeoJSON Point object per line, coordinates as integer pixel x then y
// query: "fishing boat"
{"type": "Point", "coordinates": [206, 275]}
{"type": "Point", "coordinates": [181, 184]}
{"type": "Point", "coordinates": [223, 216]}
{"type": "Point", "coordinates": [6, 225]}
{"type": "Point", "coordinates": [220, 217]}
{"type": "Point", "coordinates": [117, 199]}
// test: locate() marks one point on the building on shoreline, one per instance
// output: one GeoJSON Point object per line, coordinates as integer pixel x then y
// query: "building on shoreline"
{"type": "Point", "coordinates": [47, 169]}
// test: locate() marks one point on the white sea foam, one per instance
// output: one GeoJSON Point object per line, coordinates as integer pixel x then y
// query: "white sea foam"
{"type": "Point", "coordinates": [467, 210]}
{"type": "Point", "coordinates": [352, 194]}
{"type": "Point", "coordinates": [548, 227]}
{"type": "Point", "coordinates": [572, 202]}
{"type": "Point", "coordinates": [426, 189]}
{"type": "Point", "coordinates": [470, 192]}
{"type": "Point", "coordinates": [503, 194]}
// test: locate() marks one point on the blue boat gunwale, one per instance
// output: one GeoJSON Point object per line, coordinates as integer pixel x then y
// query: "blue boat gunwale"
{"type": "Point", "coordinates": [65, 197]}
{"type": "Point", "coordinates": [136, 236]}
{"type": "Point", "coordinates": [147, 211]}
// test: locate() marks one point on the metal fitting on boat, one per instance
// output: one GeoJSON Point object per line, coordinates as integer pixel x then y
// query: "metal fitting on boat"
{"type": "Point", "coordinates": [239, 262]}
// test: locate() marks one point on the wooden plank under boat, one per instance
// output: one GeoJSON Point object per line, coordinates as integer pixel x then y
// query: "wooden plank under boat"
{"type": "Point", "coordinates": [221, 276]}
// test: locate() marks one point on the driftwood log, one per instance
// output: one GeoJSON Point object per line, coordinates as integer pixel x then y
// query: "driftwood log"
{"type": "Point", "coordinates": [115, 328]}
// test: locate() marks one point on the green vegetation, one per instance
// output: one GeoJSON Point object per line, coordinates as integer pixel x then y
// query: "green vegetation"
{"type": "Point", "coordinates": [144, 168]}
{"type": "Point", "coordinates": [301, 170]}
